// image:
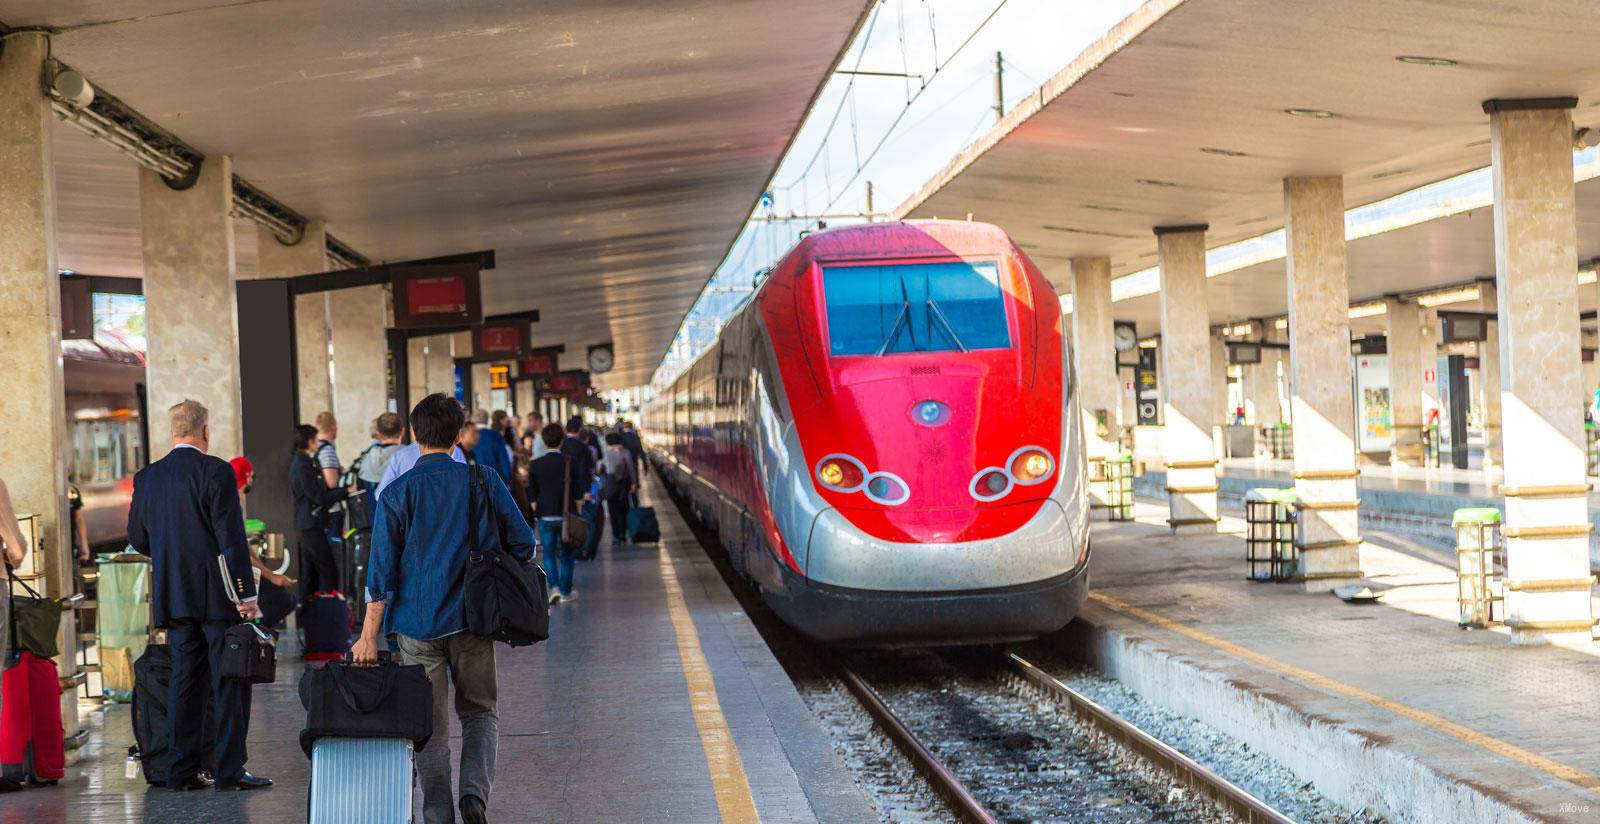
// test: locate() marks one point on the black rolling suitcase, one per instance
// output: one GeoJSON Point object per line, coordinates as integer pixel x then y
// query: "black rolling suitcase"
{"type": "Point", "coordinates": [643, 528]}
{"type": "Point", "coordinates": [152, 673]}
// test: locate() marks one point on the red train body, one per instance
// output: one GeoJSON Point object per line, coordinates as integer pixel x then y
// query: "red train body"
{"type": "Point", "coordinates": [885, 438]}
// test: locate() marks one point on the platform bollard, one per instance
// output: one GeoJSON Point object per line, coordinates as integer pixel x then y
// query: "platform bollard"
{"type": "Point", "coordinates": [1269, 534]}
{"type": "Point", "coordinates": [1119, 486]}
{"type": "Point", "coordinates": [1479, 580]}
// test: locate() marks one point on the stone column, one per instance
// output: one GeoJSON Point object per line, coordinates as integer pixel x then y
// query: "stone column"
{"type": "Point", "coordinates": [33, 442]}
{"type": "Point", "coordinates": [190, 302]}
{"type": "Point", "coordinates": [1189, 405]}
{"type": "Point", "coordinates": [1536, 266]}
{"type": "Point", "coordinates": [1261, 388]}
{"type": "Point", "coordinates": [1324, 421]}
{"type": "Point", "coordinates": [1222, 411]}
{"type": "Point", "coordinates": [358, 318]}
{"type": "Point", "coordinates": [1405, 380]}
{"type": "Point", "coordinates": [1489, 375]}
{"type": "Point", "coordinates": [1428, 352]}
{"type": "Point", "coordinates": [1095, 362]}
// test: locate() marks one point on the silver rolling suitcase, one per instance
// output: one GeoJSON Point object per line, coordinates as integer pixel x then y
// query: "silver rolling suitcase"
{"type": "Point", "coordinates": [360, 781]}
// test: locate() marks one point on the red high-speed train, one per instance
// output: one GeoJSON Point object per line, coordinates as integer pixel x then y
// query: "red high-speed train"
{"type": "Point", "coordinates": [886, 438]}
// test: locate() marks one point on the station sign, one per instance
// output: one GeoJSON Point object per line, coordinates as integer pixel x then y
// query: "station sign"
{"type": "Point", "coordinates": [540, 363]}
{"type": "Point", "coordinates": [501, 340]}
{"type": "Point", "coordinates": [436, 295]}
{"type": "Point", "coordinates": [569, 384]}
{"type": "Point", "coordinates": [499, 376]}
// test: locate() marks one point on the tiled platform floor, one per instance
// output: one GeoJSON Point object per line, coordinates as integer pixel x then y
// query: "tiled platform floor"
{"type": "Point", "coordinates": [1405, 652]}
{"type": "Point", "coordinates": [595, 724]}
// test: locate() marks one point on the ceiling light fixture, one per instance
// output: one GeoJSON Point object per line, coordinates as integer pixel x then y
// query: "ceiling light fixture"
{"type": "Point", "coordinates": [1368, 310]}
{"type": "Point", "coordinates": [1319, 114]}
{"type": "Point", "coordinates": [1452, 295]}
{"type": "Point", "coordinates": [1419, 60]}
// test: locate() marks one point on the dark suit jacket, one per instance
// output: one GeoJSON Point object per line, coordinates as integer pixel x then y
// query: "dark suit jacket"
{"type": "Point", "coordinates": [185, 512]}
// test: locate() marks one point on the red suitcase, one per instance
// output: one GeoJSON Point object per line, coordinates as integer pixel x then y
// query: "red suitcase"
{"type": "Point", "coordinates": [32, 743]}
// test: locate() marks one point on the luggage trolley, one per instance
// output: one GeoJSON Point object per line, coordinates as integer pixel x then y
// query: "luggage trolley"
{"type": "Point", "coordinates": [1119, 486]}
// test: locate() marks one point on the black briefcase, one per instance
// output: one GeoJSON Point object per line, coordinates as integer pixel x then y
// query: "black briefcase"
{"type": "Point", "coordinates": [505, 600]}
{"type": "Point", "coordinates": [250, 654]}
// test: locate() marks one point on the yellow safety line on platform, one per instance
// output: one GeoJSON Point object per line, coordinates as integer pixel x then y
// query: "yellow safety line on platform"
{"type": "Point", "coordinates": [1466, 734]}
{"type": "Point", "coordinates": [728, 781]}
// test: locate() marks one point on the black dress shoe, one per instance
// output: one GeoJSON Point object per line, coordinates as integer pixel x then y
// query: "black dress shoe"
{"type": "Point", "coordinates": [246, 782]}
{"type": "Point", "coordinates": [193, 782]}
{"type": "Point", "coordinates": [472, 810]}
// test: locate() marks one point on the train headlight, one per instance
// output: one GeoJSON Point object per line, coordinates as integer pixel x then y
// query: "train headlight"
{"type": "Point", "coordinates": [990, 484]}
{"type": "Point", "coordinates": [887, 489]}
{"type": "Point", "coordinates": [930, 413]}
{"type": "Point", "coordinates": [841, 473]}
{"type": "Point", "coordinates": [1030, 465]}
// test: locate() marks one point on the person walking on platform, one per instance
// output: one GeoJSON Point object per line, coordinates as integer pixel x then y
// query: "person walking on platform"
{"type": "Point", "coordinates": [319, 568]}
{"type": "Point", "coordinates": [552, 482]}
{"type": "Point", "coordinates": [371, 463]}
{"type": "Point", "coordinates": [576, 450]}
{"type": "Point", "coordinates": [415, 590]}
{"type": "Point", "coordinates": [491, 449]}
{"type": "Point", "coordinates": [185, 516]}
{"type": "Point", "coordinates": [635, 447]}
{"type": "Point", "coordinates": [621, 483]}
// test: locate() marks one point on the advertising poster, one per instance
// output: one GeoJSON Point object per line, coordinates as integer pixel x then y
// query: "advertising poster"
{"type": "Point", "coordinates": [1374, 416]}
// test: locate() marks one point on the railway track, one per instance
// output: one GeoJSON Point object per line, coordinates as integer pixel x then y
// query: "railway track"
{"type": "Point", "coordinates": [1073, 777]}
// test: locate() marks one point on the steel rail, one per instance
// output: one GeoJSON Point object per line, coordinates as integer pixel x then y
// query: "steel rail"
{"type": "Point", "coordinates": [1186, 770]}
{"type": "Point", "coordinates": [966, 808]}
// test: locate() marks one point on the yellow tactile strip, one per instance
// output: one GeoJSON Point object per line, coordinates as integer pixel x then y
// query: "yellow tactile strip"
{"type": "Point", "coordinates": [728, 781]}
{"type": "Point", "coordinates": [1466, 734]}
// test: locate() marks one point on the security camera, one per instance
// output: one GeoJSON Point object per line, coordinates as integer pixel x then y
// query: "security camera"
{"type": "Point", "coordinates": [73, 88]}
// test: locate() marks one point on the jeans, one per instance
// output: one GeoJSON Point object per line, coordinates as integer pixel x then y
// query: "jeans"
{"type": "Point", "coordinates": [617, 508]}
{"type": "Point", "coordinates": [558, 563]}
{"type": "Point", "coordinates": [196, 648]}
{"type": "Point", "coordinates": [467, 661]}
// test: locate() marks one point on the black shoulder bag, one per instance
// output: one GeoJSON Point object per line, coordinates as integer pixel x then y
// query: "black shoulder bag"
{"type": "Point", "coordinates": [505, 600]}
{"type": "Point", "coordinates": [35, 620]}
{"type": "Point", "coordinates": [389, 700]}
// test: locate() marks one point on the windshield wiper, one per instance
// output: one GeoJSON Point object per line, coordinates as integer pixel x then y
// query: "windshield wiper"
{"type": "Point", "coordinates": [948, 327]}
{"type": "Point", "coordinates": [904, 317]}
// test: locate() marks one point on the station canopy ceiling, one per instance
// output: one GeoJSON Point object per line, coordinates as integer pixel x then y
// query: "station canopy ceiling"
{"type": "Point", "coordinates": [1181, 115]}
{"type": "Point", "coordinates": [609, 151]}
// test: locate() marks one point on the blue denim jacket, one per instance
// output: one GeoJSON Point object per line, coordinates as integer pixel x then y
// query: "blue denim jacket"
{"type": "Point", "coordinates": [418, 563]}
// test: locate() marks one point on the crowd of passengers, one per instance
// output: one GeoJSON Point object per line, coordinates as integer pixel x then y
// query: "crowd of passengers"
{"type": "Point", "coordinates": [187, 513]}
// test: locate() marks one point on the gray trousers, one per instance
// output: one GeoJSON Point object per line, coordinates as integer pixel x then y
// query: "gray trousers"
{"type": "Point", "coordinates": [468, 662]}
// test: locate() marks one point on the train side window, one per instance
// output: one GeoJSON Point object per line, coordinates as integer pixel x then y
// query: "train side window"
{"type": "Point", "coordinates": [915, 307]}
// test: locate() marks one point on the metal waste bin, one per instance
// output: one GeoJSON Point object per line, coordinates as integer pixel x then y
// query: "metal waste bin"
{"type": "Point", "coordinates": [1480, 582]}
{"type": "Point", "coordinates": [1269, 534]}
{"type": "Point", "coordinates": [1119, 486]}
{"type": "Point", "coordinates": [1280, 441]}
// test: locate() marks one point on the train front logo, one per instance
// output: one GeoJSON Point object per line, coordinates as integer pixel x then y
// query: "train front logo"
{"type": "Point", "coordinates": [886, 439]}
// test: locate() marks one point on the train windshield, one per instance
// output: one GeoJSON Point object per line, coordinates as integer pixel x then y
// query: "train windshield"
{"type": "Point", "coordinates": [915, 307]}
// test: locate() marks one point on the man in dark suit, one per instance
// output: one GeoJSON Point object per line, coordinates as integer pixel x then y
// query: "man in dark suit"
{"type": "Point", "coordinates": [185, 515]}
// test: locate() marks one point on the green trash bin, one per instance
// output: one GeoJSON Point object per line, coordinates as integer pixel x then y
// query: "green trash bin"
{"type": "Point", "coordinates": [1479, 581]}
{"type": "Point", "coordinates": [122, 622]}
{"type": "Point", "coordinates": [1269, 534]}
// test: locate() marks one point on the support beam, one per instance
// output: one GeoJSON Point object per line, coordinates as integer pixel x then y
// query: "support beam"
{"type": "Point", "coordinates": [309, 256]}
{"type": "Point", "coordinates": [358, 320]}
{"type": "Point", "coordinates": [1489, 354]}
{"type": "Point", "coordinates": [190, 302]}
{"type": "Point", "coordinates": [33, 443]}
{"type": "Point", "coordinates": [1536, 264]}
{"type": "Point", "coordinates": [1189, 405]}
{"type": "Point", "coordinates": [1094, 357]}
{"type": "Point", "coordinates": [1405, 332]}
{"type": "Point", "coordinates": [1319, 350]}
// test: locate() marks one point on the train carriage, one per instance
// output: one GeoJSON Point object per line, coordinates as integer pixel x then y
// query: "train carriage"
{"type": "Point", "coordinates": [886, 439]}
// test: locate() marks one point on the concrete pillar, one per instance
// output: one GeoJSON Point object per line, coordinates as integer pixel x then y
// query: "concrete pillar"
{"type": "Point", "coordinates": [1261, 389]}
{"type": "Point", "coordinates": [190, 302]}
{"type": "Point", "coordinates": [33, 443]}
{"type": "Point", "coordinates": [309, 256]}
{"type": "Point", "coordinates": [1189, 404]}
{"type": "Point", "coordinates": [1428, 352]}
{"type": "Point", "coordinates": [1319, 339]}
{"type": "Point", "coordinates": [357, 320]}
{"type": "Point", "coordinates": [1095, 361]}
{"type": "Point", "coordinates": [1489, 375]}
{"type": "Point", "coordinates": [1536, 265]}
{"type": "Point", "coordinates": [1222, 410]}
{"type": "Point", "coordinates": [1591, 373]}
{"type": "Point", "coordinates": [1405, 334]}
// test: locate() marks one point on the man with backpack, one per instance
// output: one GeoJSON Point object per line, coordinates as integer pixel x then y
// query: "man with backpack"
{"type": "Point", "coordinates": [427, 523]}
